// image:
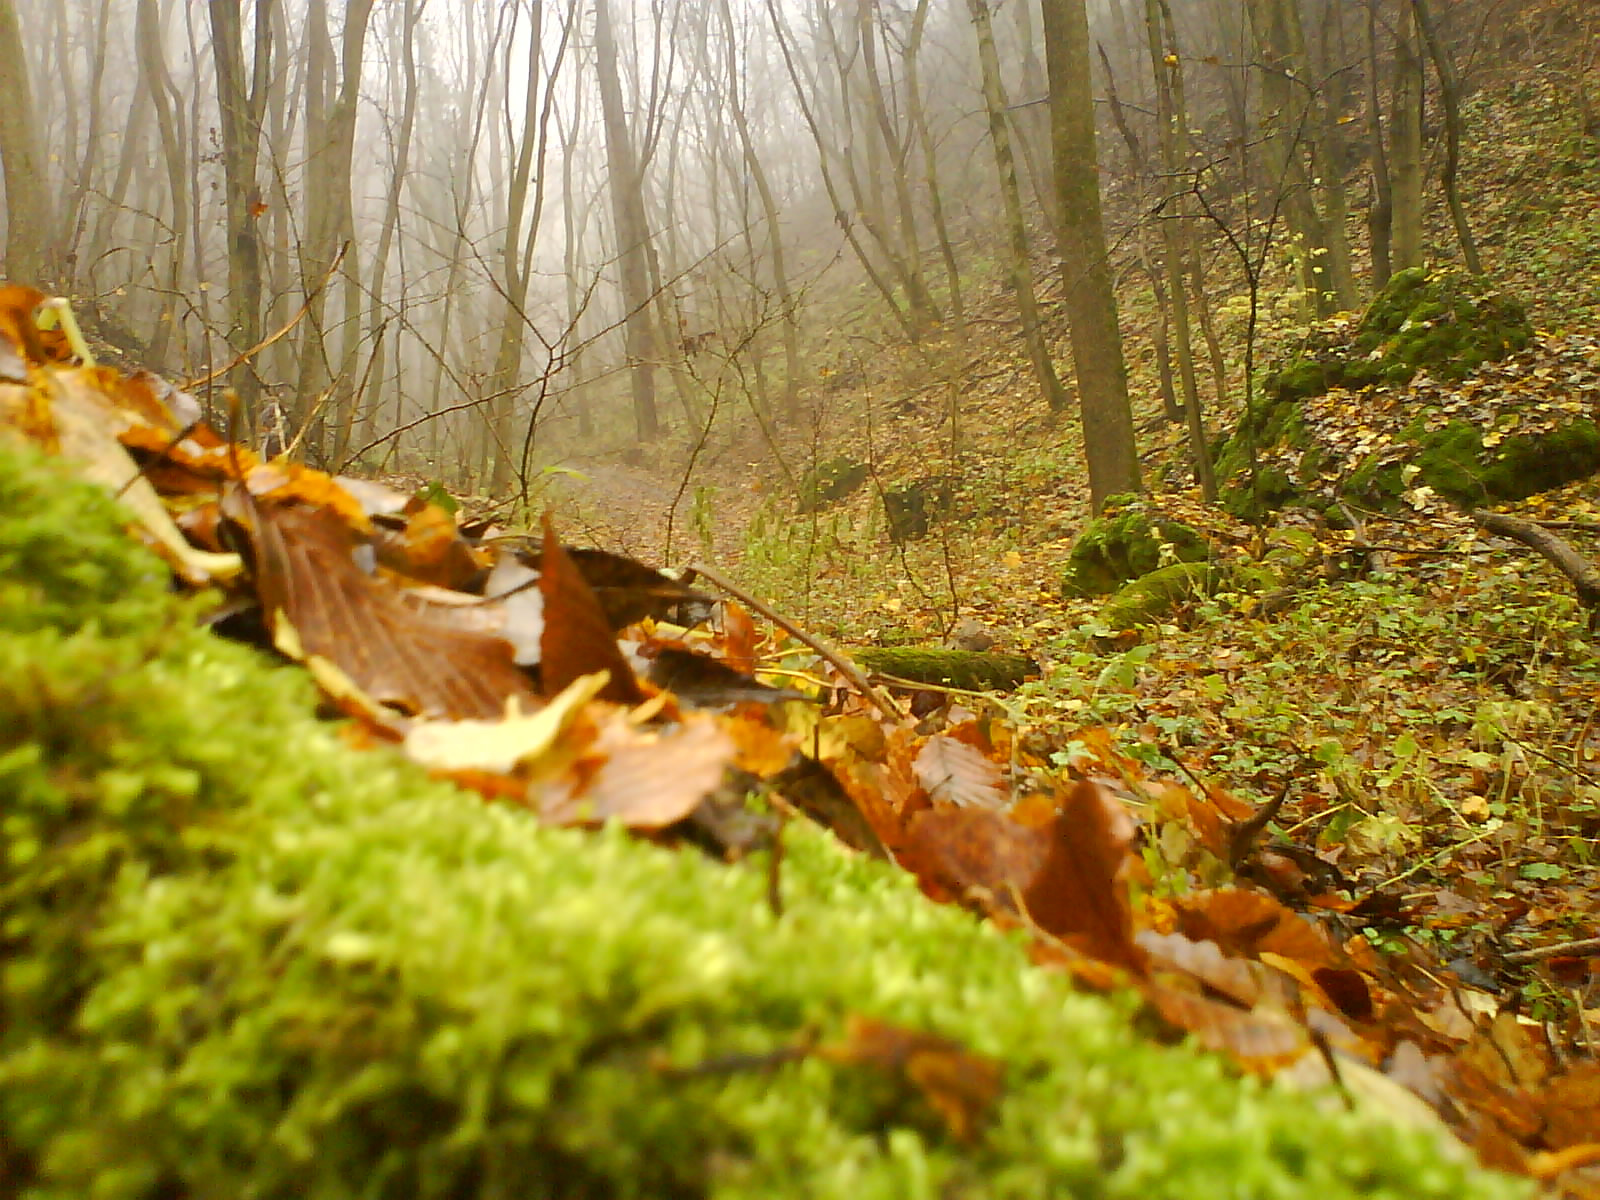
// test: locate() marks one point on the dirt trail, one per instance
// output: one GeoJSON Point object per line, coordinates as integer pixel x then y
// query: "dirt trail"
{"type": "Point", "coordinates": [630, 510]}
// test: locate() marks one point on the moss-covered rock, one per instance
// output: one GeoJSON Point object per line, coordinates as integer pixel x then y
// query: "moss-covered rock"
{"type": "Point", "coordinates": [238, 959]}
{"type": "Point", "coordinates": [1125, 542]}
{"type": "Point", "coordinates": [830, 480]}
{"type": "Point", "coordinates": [1154, 596]}
{"type": "Point", "coordinates": [1444, 322]}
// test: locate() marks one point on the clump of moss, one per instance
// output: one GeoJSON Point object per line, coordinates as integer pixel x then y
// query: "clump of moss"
{"type": "Point", "coordinates": [1153, 596]}
{"type": "Point", "coordinates": [240, 959]}
{"type": "Point", "coordinates": [1444, 321]}
{"type": "Point", "coordinates": [830, 480]}
{"type": "Point", "coordinates": [1125, 542]}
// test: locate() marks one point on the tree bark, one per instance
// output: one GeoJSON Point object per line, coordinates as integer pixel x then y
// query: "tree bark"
{"type": "Point", "coordinates": [1450, 99]}
{"type": "Point", "coordinates": [241, 102]}
{"type": "Point", "coordinates": [28, 256]}
{"type": "Point", "coordinates": [1091, 301]}
{"type": "Point", "coordinates": [1018, 265]}
{"type": "Point", "coordinates": [627, 204]}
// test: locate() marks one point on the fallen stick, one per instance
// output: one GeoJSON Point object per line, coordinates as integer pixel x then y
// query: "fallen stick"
{"type": "Point", "coordinates": [1585, 576]}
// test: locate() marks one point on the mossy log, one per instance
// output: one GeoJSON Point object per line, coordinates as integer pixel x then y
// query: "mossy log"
{"type": "Point", "coordinates": [243, 959]}
{"type": "Point", "coordinates": [970, 669]}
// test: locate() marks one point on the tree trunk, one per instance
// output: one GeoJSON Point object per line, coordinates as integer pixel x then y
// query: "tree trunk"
{"type": "Point", "coordinates": [627, 204]}
{"type": "Point", "coordinates": [1018, 266]}
{"type": "Point", "coordinates": [241, 103]}
{"type": "Point", "coordinates": [28, 257]}
{"type": "Point", "coordinates": [376, 320]}
{"type": "Point", "coordinates": [770, 214]}
{"type": "Point", "coordinates": [1176, 232]}
{"type": "Point", "coordinates": [1091, 302]}
{"type": "Point", "coordinates": [1450, 99]}
{"type": "Point", "coordinates": [1405, 125]}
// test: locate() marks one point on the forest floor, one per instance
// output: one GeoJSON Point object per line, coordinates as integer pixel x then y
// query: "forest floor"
{"type": "Point", "coordinates": [1429, 721]}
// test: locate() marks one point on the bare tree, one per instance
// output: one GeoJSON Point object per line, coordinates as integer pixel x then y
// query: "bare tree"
{"type": "Point", "coordinates": [242, 103]}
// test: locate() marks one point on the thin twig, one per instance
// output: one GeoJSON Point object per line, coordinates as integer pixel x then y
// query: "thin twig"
{"type": "Point", "coordinates": [836, 658]}
{"type": "Point", "coordinates": [246, 355]}
{"type": "Point", "coordinates": [1582, 946]}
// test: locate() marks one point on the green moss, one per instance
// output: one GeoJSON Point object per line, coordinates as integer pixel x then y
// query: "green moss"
{"type": "Point", "coordinates": [1444, 321]}
{"type": "Point", "coordinates": [830, 480]}
{"type": "Point", "coordinates": [978, 671]}
{"type": "Point", "coordinates": [1155, 595]}
{"type": "Point", "coordinates": [1455, 463]}
{"type": "Point", "coordinates": [1125, 542]}
{"type": "Point", "coordinates": [240, 959]}
{"type": "Point", "coordinates": [1273, 489]}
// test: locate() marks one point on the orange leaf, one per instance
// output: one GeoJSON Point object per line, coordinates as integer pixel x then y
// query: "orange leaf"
{"type": "Point", "coordinates": [1066, 865]}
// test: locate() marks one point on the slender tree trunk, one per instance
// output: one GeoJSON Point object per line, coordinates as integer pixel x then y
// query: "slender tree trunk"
{"type": "Point", "coordinates": [917, 114]}
{"type": "Point", "coordinates": [844, 217]}
{"type": "Point", "coordinates": [28, 257]}
{"type": "Point", "coordinates": [1091, 301]}
{"type": "Point", "coordinates": [376, 320]}
{"type": "Point", "coordinates": [241, 102]}
{"type": "Point", "coordinates": [157, 84]}
{"type": "Point", "coordinates": [1380, 213]}
{"type": "Point", "coordinates": [1405, 136]}
{"type": "Point", "coordinates": [1176, 232]}
{"type": "Point", "coordinates": [770, 214]}
{"type": "Point", "coordinates": [1450, 99]}
{"type": "Point", "coordinates": [1018, 266]}
{"type": "Point", "coordinates": [627, 203]}
{"type": "Point", "coordinates": [75, 211]}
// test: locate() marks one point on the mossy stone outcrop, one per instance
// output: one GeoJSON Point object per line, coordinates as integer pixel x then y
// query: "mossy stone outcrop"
{"type": "Point", "coordinates": [1125, 542]}
{"type": "Point", "coordinates": [1152, 597]}
{"type": "Point", "coordinates": [829, 481]}
{"type": "Point", "coordinates": [1443, 322]}
{"type": "Point", "coordinates": [242, 959]}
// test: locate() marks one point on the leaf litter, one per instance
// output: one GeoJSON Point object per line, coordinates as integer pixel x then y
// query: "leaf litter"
{"type": "Point", "coordinates": [537, 701]}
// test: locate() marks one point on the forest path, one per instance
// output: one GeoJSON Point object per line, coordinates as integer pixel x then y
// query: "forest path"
{"type": "Point", "coordinates": [635, 511]}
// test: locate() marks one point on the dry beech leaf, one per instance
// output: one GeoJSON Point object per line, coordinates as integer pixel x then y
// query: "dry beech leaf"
{"type": "Point", "coordinates": [1249, 923]}
{"type": "Point", "coordinates": [1260, 1040]}
{"type": "Point", "coordinates": [515, 742]}
{"type": "Point", "coordinates": [19, 305]}
{"type": "Point", "coordinates": [305, 574]}
{"type": "Point", "coordinates": [953, 772]}
{"type": "Point", "coordinates": [739, 637]}
{"type": "Point", "coordinates": [629, 591]}
{"type": "Point", "coordinates": [85, 422]}
{"type": "Point", "coordinates": [645, 778]}
{"type": "Point", "coordinates": [962, 1087]}
{"type": "Point", "coordinates": [1066, 858]}
{"type": "Point", "coordinates": [705, 682]}
{"type": "Point", "coordinates": [819, 794]}
{"type": "Point", "coordinates": [577, 639]}
{"type": "Point", "coordinates": [1237, 979]}
{"type": "Point", "coordinates": [428, 548]}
